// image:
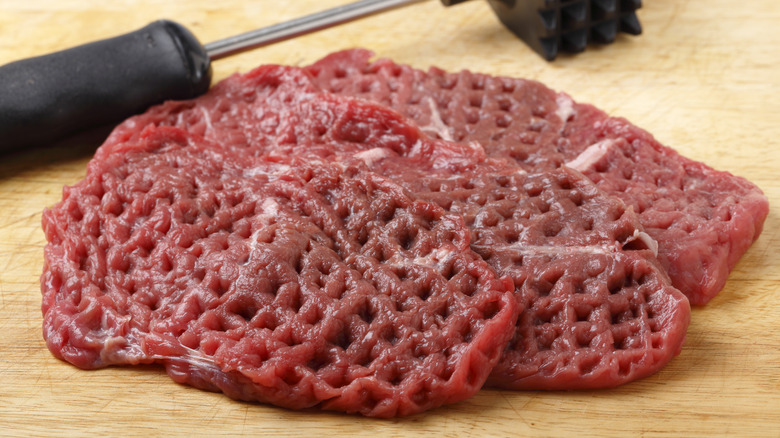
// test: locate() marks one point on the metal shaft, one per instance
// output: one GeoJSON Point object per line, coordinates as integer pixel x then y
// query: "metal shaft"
{"type": "Point", "coordinates": [301, 26]}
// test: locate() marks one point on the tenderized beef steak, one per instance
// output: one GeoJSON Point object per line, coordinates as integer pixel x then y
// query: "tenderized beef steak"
{"type": "Point", "coordinates": [703, 219]}
{"type": "Point", "coordinates": [598, 311]}
{"type": "Point", "coordinates": [298, 287]}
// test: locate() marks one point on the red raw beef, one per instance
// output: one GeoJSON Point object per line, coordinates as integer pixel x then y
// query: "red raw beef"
{"type": "Point", "coordinates": [702, 219]}
{"type": "Point", "coordinates": [315, 285]}
{"type": "Point", "coordinates": [598, 311]}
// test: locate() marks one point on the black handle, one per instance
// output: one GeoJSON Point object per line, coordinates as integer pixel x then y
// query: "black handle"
{"type": "Point", "coordinates": [49, 97]}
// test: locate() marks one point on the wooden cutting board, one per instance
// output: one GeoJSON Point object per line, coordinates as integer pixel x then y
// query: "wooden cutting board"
{"type": "Point", "coordinates": [704, 78]}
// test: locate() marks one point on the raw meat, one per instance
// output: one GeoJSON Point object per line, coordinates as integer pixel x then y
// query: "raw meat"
{"type": "Point", "coordinates": [702, 219]}
{"type": "Point", "coordinates": [598, 313]}
{"type": "Point", "coordinates": [599, 310]}
{"type": "Point", "coordinates": [320, 285]}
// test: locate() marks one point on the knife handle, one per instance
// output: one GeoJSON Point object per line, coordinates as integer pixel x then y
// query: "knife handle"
{"type": "Point", "coordinates": [49, 97]}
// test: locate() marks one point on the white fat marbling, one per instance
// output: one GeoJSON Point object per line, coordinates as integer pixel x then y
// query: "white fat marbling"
{"type": "Point", "coordinates": [565, 110]}
{"type": "Point", "coordinates": [645, 238]}
{"type": "Point", "coordinates": [590, 155]}
{"type": "Point", "coordinates": [371, 156]}
{"type": "Point", "coordinates": [437, 125]}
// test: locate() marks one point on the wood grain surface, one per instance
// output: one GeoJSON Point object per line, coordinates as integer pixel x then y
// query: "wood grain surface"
{"type": "Point", "coordinates": [704, 78]}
